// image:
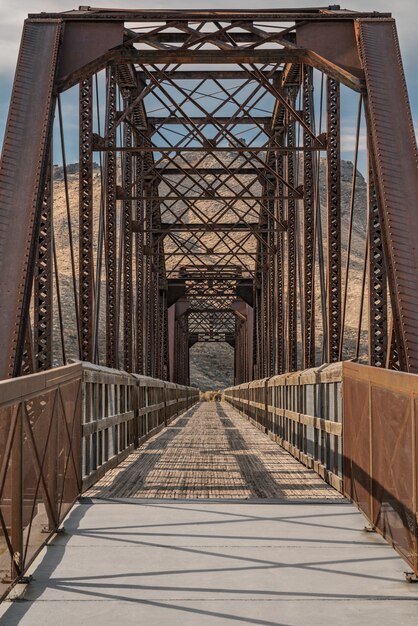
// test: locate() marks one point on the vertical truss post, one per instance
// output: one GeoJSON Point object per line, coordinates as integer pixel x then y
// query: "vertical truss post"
{"type": "Point", "coordinates": [177, 356]}
{"type": "Point", "coordinates": [378, 305]}
{"type": "Point", "coordinates": [149, 287]}
{"type": "Point", "coordinates": [157, 313]}
{"type": "Point", "coordinates": [163, 310]}
{"type": "Point", "coordinates": [264, 327]}
{"type": "Point", "coordinates": [292, 355]}
{"type": "Point", "coordinates": [155, 286]}
{"type": "Point", "coordinates": [182, 374]}
{"type": "Point", "coordinates": [255, 351]}
{"type": "Point", "coordinates": [43, 282]}
{"type": "Point", "coordinates": [111, 225]}
{"type": "Point", "coordinates": [239, 352]}
{"type": "Point", "coordinates": [86, 276]}
{"type": "Point", "coordinates": [139, 267]}
{"type": "Point", "coordinates": [271, 267]}
{"type": "Point", "coordinates": [127, 248]}
{"type": "Point", "coordinates": [164, 334]}
{"type": "Point", "coordinates": [278, 274]}
{"type": "Point", "coordinates": [258, 330]}
{"type": "Point", "coordinates": [308, 357]}
{"type": "Point", "coordinates": [333, 178]}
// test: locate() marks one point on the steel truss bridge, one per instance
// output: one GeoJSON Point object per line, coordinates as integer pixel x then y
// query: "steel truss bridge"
{"type": "Point", "coordinates": [209, 205]}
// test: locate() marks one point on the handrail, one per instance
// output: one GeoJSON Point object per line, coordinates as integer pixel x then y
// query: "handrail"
{"type": "Point", "coordinates": [301, 412]}
{"type": "Point", "coordinates": [60, 430]}
{"type": "Point", "coordinates": [356, 426]}
{"type": "Point", "coordinates": [121, 411]}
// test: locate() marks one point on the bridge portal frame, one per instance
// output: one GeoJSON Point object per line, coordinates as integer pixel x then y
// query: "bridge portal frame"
{"type": "Point", "coordinates": [60, 50]}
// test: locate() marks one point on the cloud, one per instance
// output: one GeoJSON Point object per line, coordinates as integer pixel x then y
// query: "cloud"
{"type": "Point", "coordinates": [348, 140]}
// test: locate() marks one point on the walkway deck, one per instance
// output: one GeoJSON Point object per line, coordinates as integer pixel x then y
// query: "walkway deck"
{"type": "Point", "coordinates": [194, 563]}
{"type": "Point", "coordinates": [211, 451]}
{"type": "Point", "coordinates": [289, 562]}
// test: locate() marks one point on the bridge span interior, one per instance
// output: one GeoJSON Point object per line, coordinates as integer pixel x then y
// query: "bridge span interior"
{"type": "Point", "coordinates": [246, 178]}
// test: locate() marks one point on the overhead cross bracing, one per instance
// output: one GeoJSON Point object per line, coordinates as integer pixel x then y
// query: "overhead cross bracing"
{"type": "Point", "coordinates": [219, 209]}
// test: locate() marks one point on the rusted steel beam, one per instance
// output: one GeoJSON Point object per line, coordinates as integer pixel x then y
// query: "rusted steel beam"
{"type": "Point", "coordinates": [378, 293]}
{"type": "Point", "coordinates": [308, 342]}
{"type": "Point", "coordinates": [202, 171]}
{"type": "Point", "coordinates": [127, 251]}
{"type": "Point", "coordinates": [183, 56]}
{"type": "Point", "coordinates": [30, 120]}
{"type": "Point", "coordinates": [279, 309]}
{"type": "Point", "coordinates": [211, 227]}
{"type": "Point", "coordinates": [139, 267]}
{"type": "Point", "coordinates": [85, 266]}
{"type": "Point", "coordinates": [200, 15]}
{"type": "Point", "coordinates": [43, 283]}
{"type": "Point", "coordinates": [177, 37]}
{"type": "Point", "coordinates": [104, 147]}
{"type": "Point", "coordinates": [333, 177]}
{"type": "Point", "coordinates": [210, 120]}
{"type": "Point", "coordinates": [291, 250]}
{"type": "Point", "coordinates": [210, 197]}
{"type": "Point", "coordinates": [394, 147]}
{"type": "Point", "coordinates": [208, 74]}
{"type": "Point", "coordinates": [216, 57]}
{"type": "Point", "coordinates": [335, 71]}
{"type": "Point", "coordinates": [111, 226]}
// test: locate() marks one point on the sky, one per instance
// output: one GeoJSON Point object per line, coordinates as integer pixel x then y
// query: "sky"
{"type": "Point", "coordinates": [404, 11]}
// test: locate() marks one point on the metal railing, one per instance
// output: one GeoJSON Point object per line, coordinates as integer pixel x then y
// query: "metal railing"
{"type": "Point", "coordinates": [122, 410]}
{"type": "Point", "coordinates": [60, 430]}
{"type": "Point", "coordinates": [302, 412]}
{"type": "Point", "coordinates": [357, 427]}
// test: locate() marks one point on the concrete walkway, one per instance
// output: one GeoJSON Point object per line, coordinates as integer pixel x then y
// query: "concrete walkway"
{"type": "Point", "coordinates": [205, 563]}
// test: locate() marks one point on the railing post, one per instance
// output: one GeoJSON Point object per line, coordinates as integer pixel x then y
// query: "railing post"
{"type": "Point", "coordinates": [135, 409]}
{"type": "Point", "coordinates": [165, 405]}
{"type": "Point", "coordinates": [266, 428]}
{"type": "Point", "coordinates": [51, 477]}
{"type": "Point", "coordinates": [17, 497]}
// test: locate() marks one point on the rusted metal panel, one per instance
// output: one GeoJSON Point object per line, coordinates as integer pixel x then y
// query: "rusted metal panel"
{"type": "Point", "coordinates": [22, 182]}
{"type": "Point", "coordinates": [334, 42]}
{"type": "Point", "coordinates": [356, 447]}
{"type": "Point", "coordinates": [84, 42]}
{"type": "Point", "coordinates": [40, 445]}
{"type": "Point", "coordinates": [380, 452]}
{"type": "Point", "coordinates": [394, 146]}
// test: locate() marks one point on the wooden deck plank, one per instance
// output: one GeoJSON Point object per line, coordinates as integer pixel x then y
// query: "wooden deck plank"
{"type": "Point", "coordinates": [211, 451]}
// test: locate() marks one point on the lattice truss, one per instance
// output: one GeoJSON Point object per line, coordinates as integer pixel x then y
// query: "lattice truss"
{"type": "Point", "coordinates": [212, 203]}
